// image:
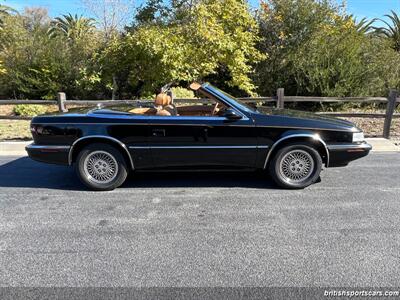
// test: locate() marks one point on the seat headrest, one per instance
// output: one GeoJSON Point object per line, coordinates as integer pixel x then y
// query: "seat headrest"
{"type": "Point", "coordinates": [162, 99]}
{"type": "Point", "coordinates": [194, 86]}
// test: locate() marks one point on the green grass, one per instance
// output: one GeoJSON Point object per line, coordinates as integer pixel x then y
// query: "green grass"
{"type": "Point", "coordinates": [14, 130]}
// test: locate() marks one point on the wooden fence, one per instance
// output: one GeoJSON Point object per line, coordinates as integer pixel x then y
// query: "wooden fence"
{"type": "Point", "coordinates": [391, 100]}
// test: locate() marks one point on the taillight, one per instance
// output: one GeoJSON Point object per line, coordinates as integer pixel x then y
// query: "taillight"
{"type": "Point", "coordinates": [33, 129]}
{"type": "Point", "coordinates": [36, 129]}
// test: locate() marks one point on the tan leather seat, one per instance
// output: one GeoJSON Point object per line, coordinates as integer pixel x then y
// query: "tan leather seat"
{"type": "Point", "coordinates": [164, 106]}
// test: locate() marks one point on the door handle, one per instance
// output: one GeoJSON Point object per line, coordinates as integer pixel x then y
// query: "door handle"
{"type": "Point", "coordinates": [158, 132]}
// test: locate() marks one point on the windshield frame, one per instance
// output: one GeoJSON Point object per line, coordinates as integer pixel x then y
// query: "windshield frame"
{"type": "Point", "coordinates": [229, 98]}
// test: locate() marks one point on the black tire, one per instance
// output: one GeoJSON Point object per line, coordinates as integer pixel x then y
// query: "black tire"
{"type": "Point", "coordinates": [285, 168]}
{"type": "Point", "coordinates": [89, 170]}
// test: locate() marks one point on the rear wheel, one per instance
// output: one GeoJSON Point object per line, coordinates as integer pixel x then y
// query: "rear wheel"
{"type": "Point", "coordinates": [101, 167]}
{"type": "Point", "coordinates": [296, 166]}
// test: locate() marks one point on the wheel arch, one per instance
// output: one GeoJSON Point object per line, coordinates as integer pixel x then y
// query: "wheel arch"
{"type": "Point", "coordinates": [293, 136]}
{"type": "Point", "coordinates": [80, 143]}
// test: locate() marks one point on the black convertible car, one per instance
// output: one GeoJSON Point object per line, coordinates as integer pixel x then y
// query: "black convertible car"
{"type": "Point", "coordinates": [222, 133]}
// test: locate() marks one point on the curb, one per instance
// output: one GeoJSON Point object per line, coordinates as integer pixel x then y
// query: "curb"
{"type": "Point", "coordinates": [382, 145]}
{"type": "Point", "coordinates": [13, 148]}
{"type": "Point", "coordinates": [18, 148]}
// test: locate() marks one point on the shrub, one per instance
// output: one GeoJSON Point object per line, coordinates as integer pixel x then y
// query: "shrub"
{"type": "Point", "coordinates": [29, 110]}
{"type": "Point", "coordinates": [180, 92]}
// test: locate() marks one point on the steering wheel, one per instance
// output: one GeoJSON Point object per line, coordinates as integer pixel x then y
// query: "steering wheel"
{"type": "Point", "coordinates": [215, 109]}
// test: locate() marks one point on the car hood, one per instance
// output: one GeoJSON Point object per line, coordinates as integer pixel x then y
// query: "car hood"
{"type": "Point", "coordinates": [303, 118]}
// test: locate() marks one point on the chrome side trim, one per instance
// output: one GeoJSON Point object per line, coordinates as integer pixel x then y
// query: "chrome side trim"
{"type": "Point", "coordinates": [197, 118]}
{"type": "Point", "coordinates": [157, 124]}
{"type": "Point", "coordinates": [100, 137]}
{"type": "Point", "coordinates": [307, 128]}
{"type": "Point", "coordinates": [49, 147]}
{"type": "Point", "coordinates": [197, 147]}
{"type": "Point", "coordinates": [198, 124]}
{"type": "Point", "coordinates": [364, 146]}
{"type": "Point", "coordinates": [315, 137]}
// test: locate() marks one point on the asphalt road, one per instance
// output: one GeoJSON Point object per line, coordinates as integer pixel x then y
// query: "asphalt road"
{"type": "Point", "coordinates": [200, 229]}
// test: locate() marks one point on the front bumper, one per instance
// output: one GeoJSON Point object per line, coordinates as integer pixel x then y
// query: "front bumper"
{"type": "Point", "coordinates": [52, 154]}
{"type": "Point", "coordinates": [343, 153]}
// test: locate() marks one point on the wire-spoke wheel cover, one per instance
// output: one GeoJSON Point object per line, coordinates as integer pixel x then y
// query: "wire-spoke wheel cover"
{"type": "Point", "coordinates": [296, 166]}
{"type": "Point", "coordinates": [100, 167]}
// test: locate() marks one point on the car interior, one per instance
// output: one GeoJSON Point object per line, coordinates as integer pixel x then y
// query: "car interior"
{"type": "Point", "coordinates": [164, 106]}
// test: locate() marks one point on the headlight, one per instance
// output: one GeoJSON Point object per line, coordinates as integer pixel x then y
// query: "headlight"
{"type": "Point", "coordinates": [358, 137]}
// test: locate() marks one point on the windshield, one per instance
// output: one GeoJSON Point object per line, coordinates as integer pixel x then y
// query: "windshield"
{"type": "Point", "coordinates": [227, 96]}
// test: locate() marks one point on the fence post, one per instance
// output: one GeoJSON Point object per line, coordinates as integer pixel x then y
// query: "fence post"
{"type": "Point", "coordinates": [281, 98]}
{"type": "Point", "coordinates": [391, 105]}
{"type": "Point", "coordinates": [61, 97]}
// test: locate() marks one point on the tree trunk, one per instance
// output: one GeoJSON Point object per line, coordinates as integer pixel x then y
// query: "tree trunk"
{"type": "Point", "coordinates": [115, 87]}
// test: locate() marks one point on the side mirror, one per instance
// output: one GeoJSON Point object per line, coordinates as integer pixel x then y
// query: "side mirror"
{"type": "Point", "coordinates": [230, 114]}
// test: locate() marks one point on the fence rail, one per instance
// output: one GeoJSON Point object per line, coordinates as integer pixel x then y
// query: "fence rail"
{"type": "Point", "coordinates": [280, 99]}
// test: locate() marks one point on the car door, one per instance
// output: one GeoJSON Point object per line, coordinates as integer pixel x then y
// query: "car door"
{"type": "Point", "coordinates": [202, 141]}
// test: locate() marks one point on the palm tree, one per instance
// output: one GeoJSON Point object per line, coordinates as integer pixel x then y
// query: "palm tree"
{"type": "Point", "coordinates": [72, 27]}
{"type": "Point", "coordinates": [392, 31]}
{"type": "Point", "coordinates": [364, 26]}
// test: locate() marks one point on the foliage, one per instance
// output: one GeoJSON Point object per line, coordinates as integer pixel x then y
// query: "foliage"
{"type": "Point", "coordinates": [285, 25]}
{"type": "Point", "coordinates": [341, 60]}
{"type": "Point", "coordinates": [330, 62]}
{"type": "Point", "coordinates": [72, 27]}
{"type": "Point", "coordinates": [308, 47]}
{"type": "Point", "coordinates": [180, 92]}
{"type": "Point", "coordinates": [29, 110]}
{"type": "Point", "coordinates": [37, 64]}
{"type": "Point", "coordinates": [315, 48]}
{"type": "Point", "coordinates": [3, 70]}
{"type": "Point", "coordinates": [28, 57]}
{"type": "Point", "coordinates": [392, 31]}
{"type": "Point", "coordinates": [214, 34]}
{"type": "Point", "coordinates": [5, 11]}
{"type": "Point", "coordinates": [364, 26]}
{"type": "Point", "coordinates": [111, 15]}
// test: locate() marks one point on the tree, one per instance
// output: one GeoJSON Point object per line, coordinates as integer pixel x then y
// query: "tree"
{"type": "Point", "coordinates": [284, 26]}
{"type": "Point", "coordinates": [29, 57]}
{"type": "Point", "coordinates": [37, 65]}
{"type": "Point", "coordinates": [315, 48]}
{"type": "Point", "coordinates": [111, 15]}
{"type": "Point", "coordinates": [152, 11]}
{"type": "Point", "coordinates": [5, 11]}
{"type": "Point", "coordinates": [392, 31]}
{"type": "Point", "coordinates": [331, 62]}
{"type": "Point", "coordinates": [163, 12]}
{"type": "Point", "coordinates": [364, 26]}
{"type": "Point", "coordinates": [72, 27]}
{"type": "Point", "coordinates": [213, 34]}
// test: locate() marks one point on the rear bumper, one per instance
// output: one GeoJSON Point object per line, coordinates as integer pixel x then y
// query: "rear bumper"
{"type": "Point", "coordinates": [341, 154]}
{"type": "Point", "coordinates": [51, 154]}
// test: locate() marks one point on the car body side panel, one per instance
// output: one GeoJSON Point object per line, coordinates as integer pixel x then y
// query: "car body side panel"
{"type": "Point", "coordinates": [190, 142]}
{"type": "Point", "coordinates": [129, 131]}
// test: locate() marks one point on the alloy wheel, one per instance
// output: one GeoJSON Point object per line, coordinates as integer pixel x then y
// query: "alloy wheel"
{"type": "Point", "coordinates": [296, 166]}
{"type": "Point", "coordinates": [100, 167]}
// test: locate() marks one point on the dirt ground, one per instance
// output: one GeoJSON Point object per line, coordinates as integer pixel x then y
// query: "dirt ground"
{"type": "Point", "coordinates": [14, 130]}
{"type": "Point", "coordinates": [373, 127]}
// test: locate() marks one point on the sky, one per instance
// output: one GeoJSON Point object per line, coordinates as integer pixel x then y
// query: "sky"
{"type": "Point", "coordinates": [359, 8]}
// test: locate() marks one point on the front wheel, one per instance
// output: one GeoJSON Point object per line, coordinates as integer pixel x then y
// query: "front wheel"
{"type": "Point", "coordinates": [296, 166]}
{"type": "Point", "coordinates": [101, 167]}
